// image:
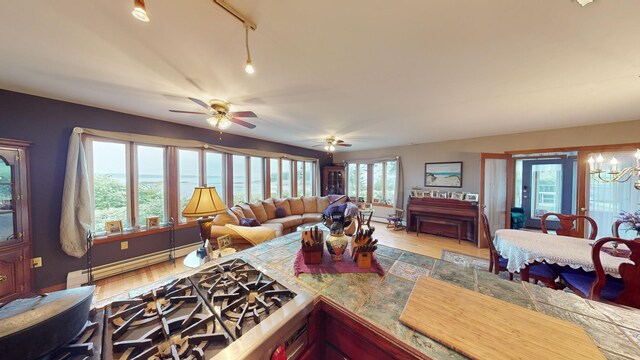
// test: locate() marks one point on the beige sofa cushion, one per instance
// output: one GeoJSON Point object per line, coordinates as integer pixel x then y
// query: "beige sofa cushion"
{"type": "Point", "coordinates": [276, 226]}
{"type": "Point", "coordinates": [297, 206]}
{"type": "Point", "coordinates": [310, 204]}
{"type": "Point", "coordinates": [226, 218]}
{"type": "Point", "coordinates": [287, 221]}
{"type": "Point", "coordinates": [323, 203]}
{"type": "Point", "coordinates": [246, 210]}
{"type": "Point", "coordinates": [311, 218]}
{"type": "Point", "coordinates": [284, 203]}
{"type": "Point", "coordinates": [269, 208]}
{"type": "Point", "coordinates": [237, 211]}
{"type": "Point", "coordinates": [258, 209]}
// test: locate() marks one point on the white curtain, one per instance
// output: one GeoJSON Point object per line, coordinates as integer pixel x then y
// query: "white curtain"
{"type": "Point", "coordinates": [77, 197]}
{"type": "Point", "coordinates": [77, 200]}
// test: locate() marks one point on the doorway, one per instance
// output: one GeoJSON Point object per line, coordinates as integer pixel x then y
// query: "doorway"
{"type": "Point", "coordinates": [547, 185]}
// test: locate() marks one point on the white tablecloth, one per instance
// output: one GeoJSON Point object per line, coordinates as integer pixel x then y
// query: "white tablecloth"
{"type": "Point", "coordinates": [525, 247]}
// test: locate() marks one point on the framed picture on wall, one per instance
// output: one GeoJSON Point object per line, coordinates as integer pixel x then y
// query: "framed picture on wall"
{"type": "Point", "coordinates": [443, 174]}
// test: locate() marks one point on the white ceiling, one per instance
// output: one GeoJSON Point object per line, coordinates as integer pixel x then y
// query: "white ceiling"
{"type": "Point", "coordinates": [374, 73]}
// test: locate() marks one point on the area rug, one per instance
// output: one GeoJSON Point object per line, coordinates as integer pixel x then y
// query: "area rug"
{"type": "Point", "coordinates": [475, 262]}
{"type": "Point", "coordinates": [328, 266]}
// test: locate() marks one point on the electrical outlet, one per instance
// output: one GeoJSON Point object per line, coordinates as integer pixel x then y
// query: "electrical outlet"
{"type": "Point", "coordinates": [124, 245]}
{"type": "Point", "coordinates": [36, 262]}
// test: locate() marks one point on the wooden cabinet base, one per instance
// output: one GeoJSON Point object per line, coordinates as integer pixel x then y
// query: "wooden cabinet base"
{"type": "Point", "coordinates": [337, 334]}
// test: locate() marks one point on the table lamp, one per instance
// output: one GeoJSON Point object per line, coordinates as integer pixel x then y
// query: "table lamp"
{"type": "Point", "coordinates": [204, 203]}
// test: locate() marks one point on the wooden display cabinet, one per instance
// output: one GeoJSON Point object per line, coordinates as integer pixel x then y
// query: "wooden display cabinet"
{"type": "Point", "coordinates": [333, 180]}
{"type": "Point", "coordinates": [15, 234]}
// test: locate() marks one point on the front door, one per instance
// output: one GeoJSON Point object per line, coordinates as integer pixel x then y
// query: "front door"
{"type": "Point", "coordinates": [547, 186]}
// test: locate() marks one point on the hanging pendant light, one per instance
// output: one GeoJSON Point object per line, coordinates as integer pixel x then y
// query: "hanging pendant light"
{"type": "Point", "coordinates": [248, 68]}
{"type": "Point", "coordinates": [140, 11]}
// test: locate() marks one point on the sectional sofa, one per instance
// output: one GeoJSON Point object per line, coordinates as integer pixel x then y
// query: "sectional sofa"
{"type": "Point", "coordinates": [282, 215]}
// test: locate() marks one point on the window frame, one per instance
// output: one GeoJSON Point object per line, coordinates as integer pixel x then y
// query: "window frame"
{"type": "Point", "coordinates": [370, 182]}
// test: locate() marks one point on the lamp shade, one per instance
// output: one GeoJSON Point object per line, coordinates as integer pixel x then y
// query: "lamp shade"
{"type": "Point", "coordinates": [204, 202]}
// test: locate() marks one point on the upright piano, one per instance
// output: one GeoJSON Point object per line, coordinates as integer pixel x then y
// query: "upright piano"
{"type": "Point", "coordinates": [465, 212]}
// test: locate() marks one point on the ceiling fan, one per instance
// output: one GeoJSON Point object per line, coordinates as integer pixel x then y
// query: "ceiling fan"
{"type": "Point", "coordinates": [331, 142]}
{"type": "Point", "coordinates": [220, 117]}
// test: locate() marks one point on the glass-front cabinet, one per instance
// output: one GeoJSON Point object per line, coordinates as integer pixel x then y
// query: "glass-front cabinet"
{"type": "Point", "coordinates": [15, 237]}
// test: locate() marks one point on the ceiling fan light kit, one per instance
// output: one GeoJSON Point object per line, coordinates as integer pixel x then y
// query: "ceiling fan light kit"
{"type": "Point", "coordinates": [140, 11]}
{"type": "Point", "coordinates": [219, 116]}
{"type": "Point", "coordinates": [331, 142]}
{"type": "Point", "coordinates": [584, 2]}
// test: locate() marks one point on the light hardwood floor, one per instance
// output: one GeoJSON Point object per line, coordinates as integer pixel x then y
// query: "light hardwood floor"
{"type": "Point", "coordinates": [425, 244]}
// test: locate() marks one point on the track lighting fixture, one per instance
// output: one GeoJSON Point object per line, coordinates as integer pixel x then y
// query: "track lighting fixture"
{"type": "Point", "coordinates": [248, 68]}
{"type": "Point", "coordinates": [140, 11]}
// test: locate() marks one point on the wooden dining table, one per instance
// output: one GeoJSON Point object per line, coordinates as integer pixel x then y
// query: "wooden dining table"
{"type": "Point", "coordinates": [524, 248]}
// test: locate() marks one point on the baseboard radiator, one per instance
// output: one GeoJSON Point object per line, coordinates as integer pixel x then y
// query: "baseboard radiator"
{"type": "Point", "coordinates": [79, 277]}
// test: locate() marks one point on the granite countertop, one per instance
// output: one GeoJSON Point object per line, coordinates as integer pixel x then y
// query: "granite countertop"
{"type": "Point", "coordinates": [380, 300]}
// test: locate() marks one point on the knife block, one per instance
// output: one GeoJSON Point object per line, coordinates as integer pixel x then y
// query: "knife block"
{"type": "Point", "coordinates": [312, 254]}
{"type": "Point", "coordinates": [364, 260]}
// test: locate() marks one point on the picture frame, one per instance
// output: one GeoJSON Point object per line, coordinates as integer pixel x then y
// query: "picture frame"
{"type": "Point", "coordinates": [471, 197]}
{"type": "Point", "coordinates": [458, 195]}
{"type": "Point", "coordinates": [376, 201]}
{"type": "Point", "coordinates": [443, 174]}
{"type": "Point", "coordinates": [443, 195]}
{"type": "Point", "coordinates": [224, 241]}
{"type": "Point", "coordinates": [153, 222]}
{"type": "Point", "coordinates": [426, 194]}
{"type": "Point", "coordinates": [208, 248]}
{"type": "Point", "coordinates": [113, 227]}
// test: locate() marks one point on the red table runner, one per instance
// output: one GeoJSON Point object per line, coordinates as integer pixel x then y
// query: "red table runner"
{"type": "Point", "coordinates": [328, 266]}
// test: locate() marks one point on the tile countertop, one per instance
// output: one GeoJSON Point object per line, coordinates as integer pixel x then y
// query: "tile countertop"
{"type": "Point", "coordinates": [380, 300]}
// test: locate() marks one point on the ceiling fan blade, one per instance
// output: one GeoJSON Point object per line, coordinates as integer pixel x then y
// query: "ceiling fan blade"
{"type": "Point", "coordinates": [199, 102]}
{"type": "Point", "coordinates": [319, 145]}
{"type": "Point", "coordinates": [243, 114]}
{"type": "Point", "coordinates": [339, 141]}
{"type": "Point", "coordinates": [347, 145]}
{"type": "Point", "coordinates": [188, 112]}
{"type": "Point", "coordinates": [242, 123]}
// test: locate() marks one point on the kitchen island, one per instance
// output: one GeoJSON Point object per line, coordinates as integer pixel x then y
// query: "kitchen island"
{"type": "Point", "coordinates": [365, 307]}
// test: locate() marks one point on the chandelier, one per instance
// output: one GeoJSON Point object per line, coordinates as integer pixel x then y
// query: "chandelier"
{"type": "Point", "coordinates": [614, 175]}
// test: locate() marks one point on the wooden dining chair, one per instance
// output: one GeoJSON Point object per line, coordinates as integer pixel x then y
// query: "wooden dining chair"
{"type": "Point", "coordinates": [569, 225]}
{"type": "Point", "coordinates": [597, 285]}
{"type": "Point", "coordinates": [496, 262]}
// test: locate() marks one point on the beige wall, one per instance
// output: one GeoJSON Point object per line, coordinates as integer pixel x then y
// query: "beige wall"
{"type": "Point", "coordinates": [468, 150]}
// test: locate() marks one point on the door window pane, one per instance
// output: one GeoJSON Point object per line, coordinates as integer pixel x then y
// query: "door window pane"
{"type": "Point", "coordinates": [215, 172]}
{"type": "Point", "coordinates": [546, 182]}
{"type": "Point", "coordinates": [7, 229]}
{"type": "Point", "coordinates": [377, 181]}
{"type": "Point", "coordinates": [362, 182]}
{"type": "Point", "coordinates": [257, 176]}
{"type": "Point", "coordinates": [300, 178]}
{"type": "Point", "coordinates": [308, 179]}
{"type": "Point", "coordinates": [352, 181]}
{"type": "Point", "coordinates": [390, 194]}
{"type": "Point", "coordinates": [274, 169]}
{"type": "Point", "coordinates": [109, 183]}
{"type": "Point", "coordinates": [239, 179]}
{"type": "Point", "coordinates": [188, 177]}
{"type": "Point", "coordinates": [151, 200]}
{"type": "Point", "coordinates": [286, 178]}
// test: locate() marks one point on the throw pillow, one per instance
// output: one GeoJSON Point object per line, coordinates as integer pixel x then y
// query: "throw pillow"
{"type": "Point", "coordinates": [258, 209]}
{"type": "Point", "coordinates": [280, 212]}
{"type": "Point", "coordinates": [310, 204]}
{"type": "Point", "coordinates": [285, 204]}
{"type": "Point", "coordinates": [297, 206]}
{"type": "Point", "coordinates": [246, 210]}
{"type": "Point", "coordinates": [237, 211]}
{"type": "Point", "coordinates": [226, 218]}
{"type": "Point", "coordinates": [269, 208]}
{"type": "Point", "coordinates": [249, 222]}
{"type": "Point", "coordinates": [323, 202]}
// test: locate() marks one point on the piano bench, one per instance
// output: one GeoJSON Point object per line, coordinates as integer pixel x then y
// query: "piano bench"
{"type": "Point", "coordinates": [450, 222]}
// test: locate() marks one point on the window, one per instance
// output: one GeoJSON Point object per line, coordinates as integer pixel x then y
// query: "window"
{"type": "Point", "coordinates": [308, 178]}
{"type": "Point", "coordinates": [274, 176]}
{"type": "Point", "coordinates": [286, 178]}
{"type": "Point", "coordinates": [188, 177]}
{"type": "Point", "coordinates": [239, 179]}
{"type": "Point", "coordinates": [257, 176]}
{"type": "Point", "coordinates": [362, 182]}
{"type": "Point", "coordinates": [150, 162]}
{"type": "Point", "coordinates": [300, 178]}
{"type": "Point", "coordinates": [382, 183]}
{"type": "Point", "coordinates": [110, 183]}
{"type": "Point", "coordinates": [352, 185]}
{"type": "Point", "coordinates": [214, 169]}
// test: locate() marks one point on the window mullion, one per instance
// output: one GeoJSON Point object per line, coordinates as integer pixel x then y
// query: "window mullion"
{"type": "Point", "coordinates": [131, 185]}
